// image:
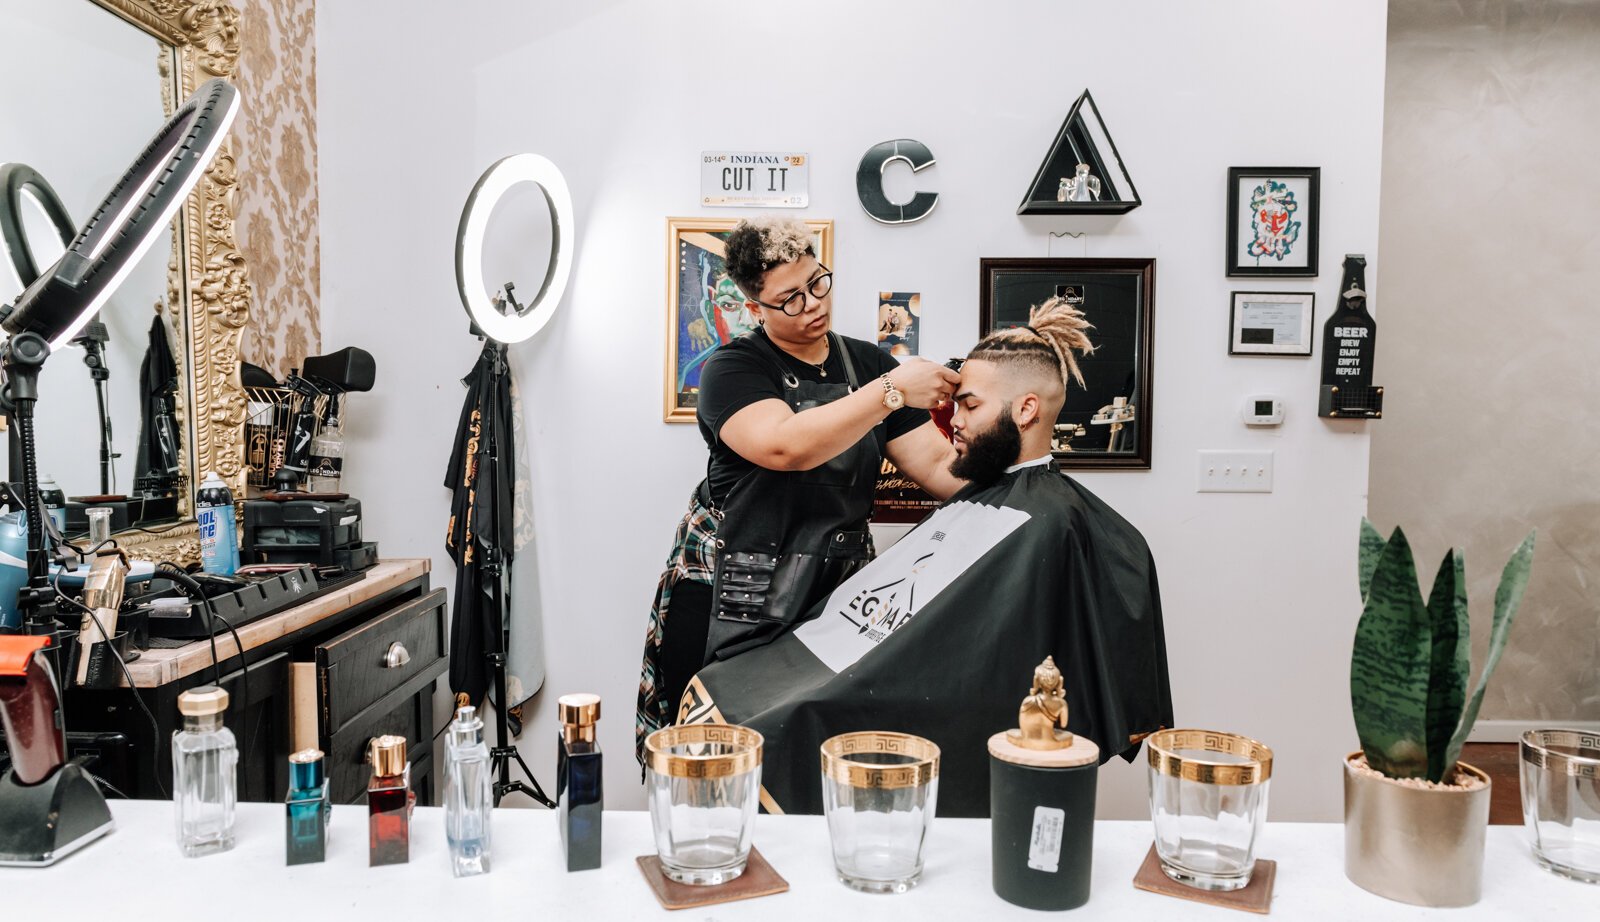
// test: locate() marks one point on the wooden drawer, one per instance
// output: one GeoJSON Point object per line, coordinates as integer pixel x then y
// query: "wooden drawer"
{"type": "Point", "coordinates": [352, 675]}
{"type": "Point", "coordinates": [348, 770]}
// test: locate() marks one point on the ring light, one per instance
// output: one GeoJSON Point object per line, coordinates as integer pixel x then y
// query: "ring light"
{"type": "Point", "coordinates": [66, 296]}
{"type": "Point", "coordinates": [516, 325]}
{"type": "Point", "coordinates": [18, 181]}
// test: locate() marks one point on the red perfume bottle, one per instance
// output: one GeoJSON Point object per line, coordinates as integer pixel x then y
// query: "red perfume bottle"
{"type": "Point", "coordinates": [389, 802]}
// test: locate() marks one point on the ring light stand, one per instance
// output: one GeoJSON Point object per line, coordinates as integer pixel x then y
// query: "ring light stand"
{"type": "Point", "coordinates": [48, 806]}
{"type": "Point", "coordinates": [504, 322]}
{"type": "Point", "coordinates": [54, 308]}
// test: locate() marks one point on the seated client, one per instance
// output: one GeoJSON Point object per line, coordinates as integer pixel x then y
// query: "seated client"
{"type": "Point", "coordinates": [939, 635]}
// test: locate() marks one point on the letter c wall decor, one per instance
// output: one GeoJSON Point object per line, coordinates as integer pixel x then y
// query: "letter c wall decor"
{"type": "Point", "coordinates": [869, 182]}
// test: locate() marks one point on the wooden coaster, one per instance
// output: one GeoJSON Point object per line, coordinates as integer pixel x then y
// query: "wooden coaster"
{"type": "Point", "coordinates": [758, 879]}
{"type": "Point", "coordinates": [1255, 897]}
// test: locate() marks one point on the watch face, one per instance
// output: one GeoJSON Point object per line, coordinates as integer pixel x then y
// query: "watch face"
{"type": "Point", "coordinates": [894, 400]}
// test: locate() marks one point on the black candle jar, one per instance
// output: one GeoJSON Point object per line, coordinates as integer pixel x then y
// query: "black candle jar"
{"type": "Point", "coordinates": [1041, 804]}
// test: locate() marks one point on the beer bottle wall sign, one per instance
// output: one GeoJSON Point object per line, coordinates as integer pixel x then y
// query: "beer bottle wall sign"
{"type": "Point", "coordinates": [1349, 341]}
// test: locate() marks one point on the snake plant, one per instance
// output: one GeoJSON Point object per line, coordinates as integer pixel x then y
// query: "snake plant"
{"type": "Point", "coordinates": [1411, 662]}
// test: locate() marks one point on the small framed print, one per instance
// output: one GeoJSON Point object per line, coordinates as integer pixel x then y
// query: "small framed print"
{"type": "Point", "coordinates": [1271, 323]}
{"type": "Point", "coordinates": [1272, 221]}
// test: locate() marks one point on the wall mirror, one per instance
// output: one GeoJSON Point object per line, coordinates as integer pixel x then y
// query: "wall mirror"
{"type": "Point", "coordinates": [1106, 423]}
{"type": "Point", "coordinates": [87, 84]}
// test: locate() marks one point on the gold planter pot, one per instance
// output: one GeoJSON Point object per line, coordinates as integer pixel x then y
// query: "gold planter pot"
{"type": "Point", "coordinates": [1414, 845]}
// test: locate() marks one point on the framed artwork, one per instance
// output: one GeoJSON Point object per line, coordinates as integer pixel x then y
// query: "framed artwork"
{"type": "Point", "coordinates": [1106, 424]}
{"type": "Point", "coordinates": [704, 307]}
{"type": "Point", "coordinates": [1271, 323]}
{"type": "Point", "coordinates": [1272, 221]}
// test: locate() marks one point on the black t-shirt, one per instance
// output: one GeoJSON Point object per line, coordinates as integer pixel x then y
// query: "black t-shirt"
{"type": "Point", "coordinates": [745, 370]}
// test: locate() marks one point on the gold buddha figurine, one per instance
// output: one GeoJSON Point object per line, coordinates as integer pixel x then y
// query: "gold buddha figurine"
{"type": "Point", "coordinates": [1042, 711]}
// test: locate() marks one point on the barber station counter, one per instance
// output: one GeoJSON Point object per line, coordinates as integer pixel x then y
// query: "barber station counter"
{"type": "Point", "coordinates": [137, 874]}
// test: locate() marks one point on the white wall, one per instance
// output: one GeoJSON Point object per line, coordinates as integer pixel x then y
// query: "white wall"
{"type": "Point", "coordinates": [1259, 590]}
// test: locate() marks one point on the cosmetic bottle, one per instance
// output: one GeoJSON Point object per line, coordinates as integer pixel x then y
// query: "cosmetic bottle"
{"type": "Point", "coordinates": [578, 781]}
{"type": "Point", "coordinates": [389, 801]}
{"type": "Point", "coordinates": [219, 533]}
{"type": "Point", "coordinates": [54, 500]}
{"type": "Point", "coordinates": [205, 760]}
{"type": "Point", "coordinates": [468, 794]}
{"type": "Point", "coordinates": [308, 808]}
{"type": "Point", "coordinates": [327, 453]}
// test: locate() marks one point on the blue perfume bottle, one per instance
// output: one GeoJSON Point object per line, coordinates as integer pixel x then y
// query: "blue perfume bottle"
{"type": "Point", "coordinates": [578, 786]}
{"type": "Point", "coordinates": [468, 794]}
{"type": "Point", "coordinates": [306, 835]}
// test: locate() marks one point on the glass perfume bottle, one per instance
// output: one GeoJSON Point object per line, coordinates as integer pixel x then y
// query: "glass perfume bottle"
{"type": "Point", "coordinates": [205, 760]}
{"type": "Point", "coordinates": [468, 795]}
{"type": "Point", "coordinates": [389, 801]}
{"type": "Point", "coordinates": [308, 808]}
{"type": "Point", "coordinates": [578, 786]}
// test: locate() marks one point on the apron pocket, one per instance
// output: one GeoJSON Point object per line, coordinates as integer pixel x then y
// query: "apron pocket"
{"type": "Point", "coordinates": [744, 581]}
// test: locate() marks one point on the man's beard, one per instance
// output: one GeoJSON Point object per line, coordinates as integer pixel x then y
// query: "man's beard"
{"type": "Point", "coordinates": [989, 452]}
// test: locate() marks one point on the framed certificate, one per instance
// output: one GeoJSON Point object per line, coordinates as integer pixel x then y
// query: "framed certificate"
{"type": "Point", "coordinates": [1271, 323]}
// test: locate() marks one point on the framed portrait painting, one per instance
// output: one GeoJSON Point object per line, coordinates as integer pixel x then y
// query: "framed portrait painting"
{"type": "Point", "coordinates": [1106, 423]}
{"type": "Point", "coordinates": [704, 307]}
{"type": "Point", "coordinates": [1272, 221]}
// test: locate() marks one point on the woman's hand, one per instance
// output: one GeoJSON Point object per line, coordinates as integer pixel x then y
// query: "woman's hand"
{"type": "Point", "coordinates": [925, 384]}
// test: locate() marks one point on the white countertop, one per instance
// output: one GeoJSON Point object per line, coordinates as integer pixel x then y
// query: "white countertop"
{"type": "Point", "coordinates": [137, 873]}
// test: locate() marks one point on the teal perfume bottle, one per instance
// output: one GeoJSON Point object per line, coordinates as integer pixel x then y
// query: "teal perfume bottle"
{"type": "Point", "coordinates": [306, 835]}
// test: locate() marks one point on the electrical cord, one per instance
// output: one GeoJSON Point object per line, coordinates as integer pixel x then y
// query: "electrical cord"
{"type": "Point", "coordinates": [244, 669]}
{"type": "Point", "coordinates": [155, 726]}
{"type": "Point", "coordinates": [179, 575]}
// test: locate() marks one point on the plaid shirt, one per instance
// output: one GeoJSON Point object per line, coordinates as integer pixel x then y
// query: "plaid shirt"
{"type": "Point", "coordinates": [694, 557]}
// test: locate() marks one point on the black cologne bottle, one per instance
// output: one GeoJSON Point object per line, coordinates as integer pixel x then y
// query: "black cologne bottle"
{"type": "Point", "coordinates": [578, 782]}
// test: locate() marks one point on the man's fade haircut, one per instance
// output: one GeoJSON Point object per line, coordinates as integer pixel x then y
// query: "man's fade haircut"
{"type": "Point", "coordinates": [757, 244]}
{"type": "Point", "coordinates": [1046, 345]}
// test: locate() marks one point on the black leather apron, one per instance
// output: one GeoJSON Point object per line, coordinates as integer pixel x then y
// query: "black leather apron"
{"type": "Point", "coordinates": [785, 539]}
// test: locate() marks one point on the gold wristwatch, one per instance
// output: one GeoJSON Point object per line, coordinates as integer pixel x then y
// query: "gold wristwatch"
{"type": "Point", "coordinates": [893, 397]}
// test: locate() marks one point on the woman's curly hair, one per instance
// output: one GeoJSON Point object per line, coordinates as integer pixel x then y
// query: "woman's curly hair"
{"type": "Point", "coordinates": [757, 244]}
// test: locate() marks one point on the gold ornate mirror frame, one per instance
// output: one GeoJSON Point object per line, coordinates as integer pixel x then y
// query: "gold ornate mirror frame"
{"type": "Point", "coordinates": [208, 283]}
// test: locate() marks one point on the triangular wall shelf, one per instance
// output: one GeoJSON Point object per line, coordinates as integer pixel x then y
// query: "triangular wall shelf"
{"type": "Point", "coordinates": [1083, 139]}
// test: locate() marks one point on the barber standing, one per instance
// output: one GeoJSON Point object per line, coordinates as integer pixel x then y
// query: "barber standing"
{"type": "Point", "coordinates": [797, 420]}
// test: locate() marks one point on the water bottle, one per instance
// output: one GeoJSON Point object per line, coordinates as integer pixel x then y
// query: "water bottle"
{"type": "Point", "coordinates": [219, 532]}
{"type": "Point", "coordinates": [54, 500]}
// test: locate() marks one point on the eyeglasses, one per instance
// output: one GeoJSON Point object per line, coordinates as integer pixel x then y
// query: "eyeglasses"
{"type": "Point", "coordinates": [795, 304]}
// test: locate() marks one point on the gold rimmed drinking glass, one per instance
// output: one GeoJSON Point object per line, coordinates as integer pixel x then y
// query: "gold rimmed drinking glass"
{"type": "Point", "coordinates": [1561, 800]}
{"type": "Point", "coordinates": [703, 783]}
{"type": "Point", "coordinates": [879, 790]}
{"type": "Point", "coordinates": [1208, 798]}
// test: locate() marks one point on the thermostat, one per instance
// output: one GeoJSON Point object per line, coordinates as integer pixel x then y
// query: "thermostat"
{"type": "Point", "coordinates": [1262, 410]}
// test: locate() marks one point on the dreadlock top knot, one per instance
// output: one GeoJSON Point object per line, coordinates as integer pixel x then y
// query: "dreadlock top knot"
{"type": "Point", "coordinates": [1053, 337]}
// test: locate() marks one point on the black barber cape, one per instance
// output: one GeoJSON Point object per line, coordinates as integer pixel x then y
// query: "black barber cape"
{"type": "Point", "coordinates": [940, 635]}
{"type": "Point", "coordinates": [480, 511]}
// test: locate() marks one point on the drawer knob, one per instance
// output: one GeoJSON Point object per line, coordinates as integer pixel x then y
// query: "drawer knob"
{"type": "Point", "coordinates": [396, 656]}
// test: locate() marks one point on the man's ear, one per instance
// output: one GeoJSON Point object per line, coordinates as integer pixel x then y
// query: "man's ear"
{"type": "Point", "coordinates": [1025, 410]}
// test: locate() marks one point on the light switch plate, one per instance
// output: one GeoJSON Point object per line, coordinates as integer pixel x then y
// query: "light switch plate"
{"type": "Point", "coordinates": [1235, 472]}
